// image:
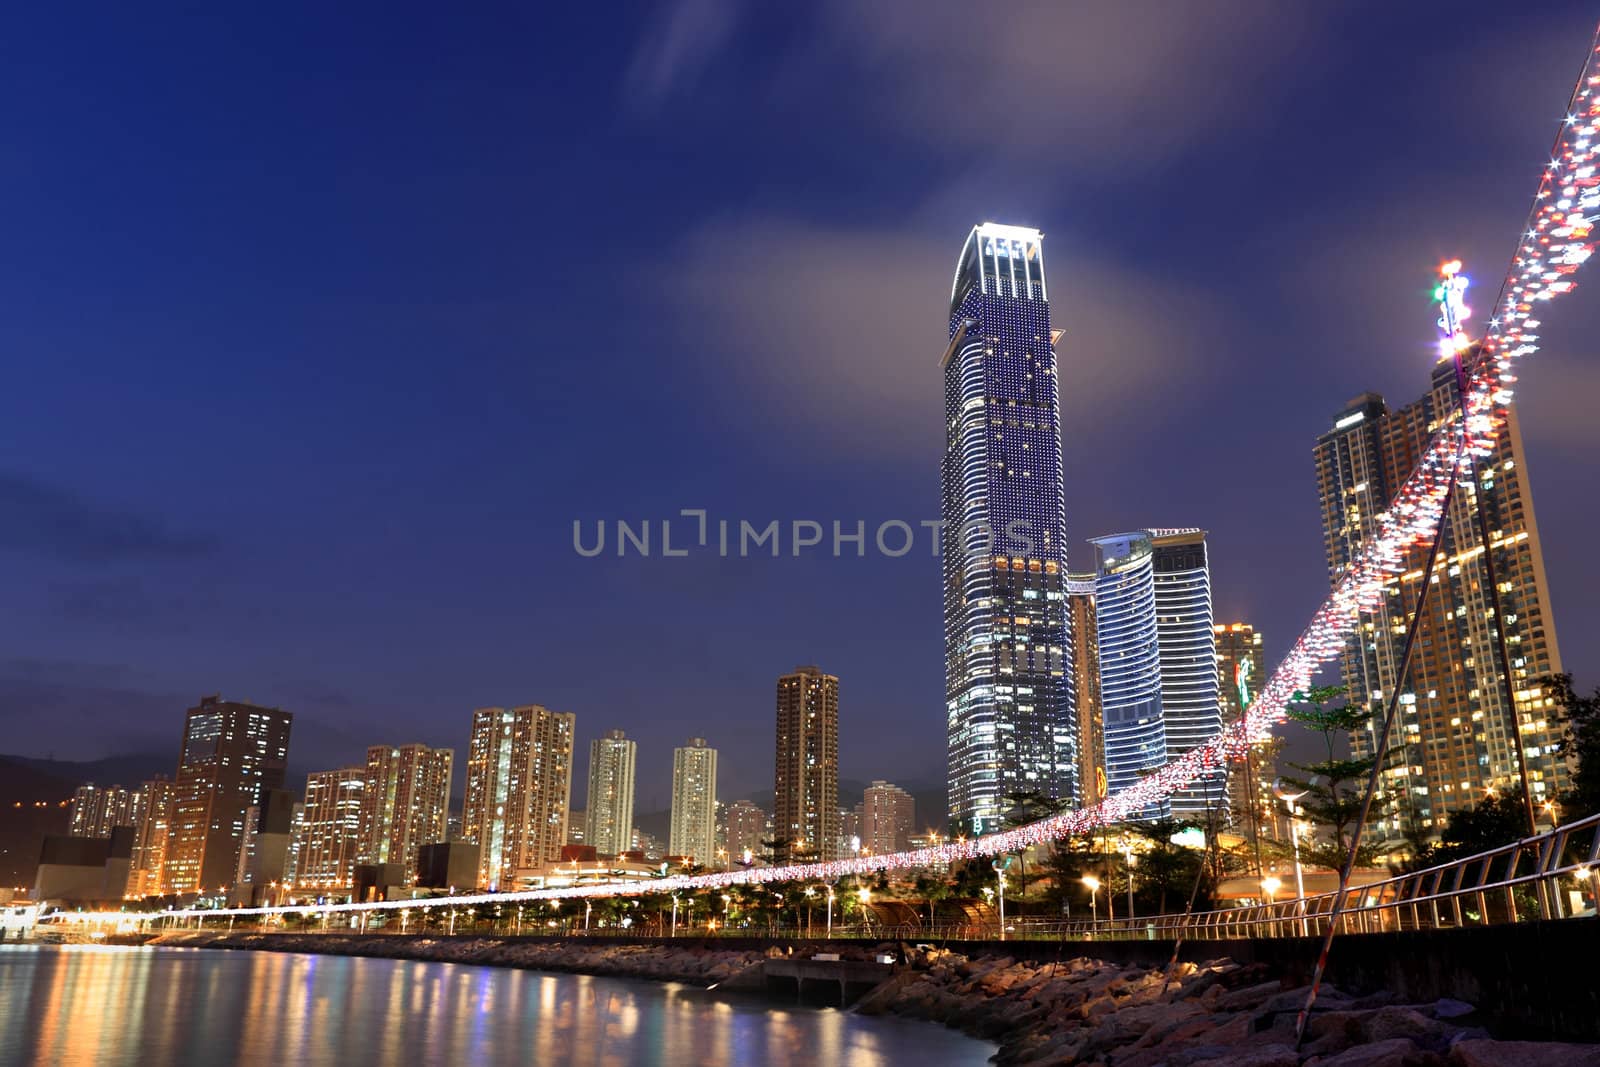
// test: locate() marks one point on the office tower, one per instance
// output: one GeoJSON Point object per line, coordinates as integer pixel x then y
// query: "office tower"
{"type": "Point", "coordinates": [609, 814]}
{"type": "Point", "coordinates": [329, 836]}
{"type": "Point", "coordinates": [1091, 776]}
{"type": "Point", "coordinates": [888, 815]}
{"type": "Point", "coordinates": [264, 851]}
{"type": "Point", "coordinates": [1008, 680]}
{"type": "Point", "coordinates": [806, 775]}
{"type": "Point", "coordinates": [97, 809]}
{"type": "Point", "coordinates": [694, 802]}
{"type": "Point", "coordinates": [746, 829]}
{"type": "Point", "coordinates": [1453, 726]}
{"type": "Point", "coordinates": [1158, 665]}
{"type": "Point", "coordinates": [231, 752]}
{"type": "Point", "coordinates": [1241, 672]}
{"type": "Point", "coordinates": [519, 787]}
{"type": "Point", "coordinates": [147, 864]}
{"type": "Point", "coordinates": [407, 797]}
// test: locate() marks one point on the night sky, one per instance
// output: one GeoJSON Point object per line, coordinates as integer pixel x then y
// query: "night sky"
{"type": "Point", "coordinates": [321, 327]}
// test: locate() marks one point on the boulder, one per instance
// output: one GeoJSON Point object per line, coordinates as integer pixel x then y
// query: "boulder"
{"type": "Point", "coordinates": [1396, 1052]}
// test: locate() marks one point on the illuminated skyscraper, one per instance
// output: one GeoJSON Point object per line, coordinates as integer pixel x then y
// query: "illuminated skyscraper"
{"type": "Point", "coordinates": [98, 809]}
{"type": "Point", "coordinates": [1454, 727]}
{"type": "Point", "coordinates": [888, 815]}
{"type": "Point", "coordinates": [328, 844]}
{"type": "Point", "coordinates": [1241, 672]}
{"type": "Point", "coordinates": [407, 799]}
{"type": "Point", "coordinates": [519, 789]}
{"type": "Point", "coordinates": [1086, 688]}
{"type": "Point", "coordinates": [746, 828]}
{"type": "Point", "coordinates": [806, 773]}
{"type": "Point", "coordinates": [147, 865]}
{"type": "Point", "coordinates": [609, 815]}
{"type": "Point", "coordinates": [231, 752]}
{"type": "Point", "coordinates": [694, 802]}
{"type": "Point", "coordinates": [1008, 675]}
{"type": "Point", "coordinates": [1158, 667]}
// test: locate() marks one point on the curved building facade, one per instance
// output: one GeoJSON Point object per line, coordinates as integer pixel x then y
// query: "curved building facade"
{"type": "Point", "coordinates": [1008, 674]}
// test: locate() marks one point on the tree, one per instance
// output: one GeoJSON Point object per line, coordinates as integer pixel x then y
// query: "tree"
{"type": "Point", "coordinates": [932, 889]}
{"type": "Point", "coordinates": [1499, 819]}
{"type": "Point", "coordinates": [1580, 744]}
{"type": "Point", "coordinates": [1334, 791]}
{"type": "Point", "coordinates": [1023, 809]}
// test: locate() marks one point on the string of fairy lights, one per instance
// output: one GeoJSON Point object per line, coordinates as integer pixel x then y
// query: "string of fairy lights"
{"type": "Point", "coordinates": [1557, 239]}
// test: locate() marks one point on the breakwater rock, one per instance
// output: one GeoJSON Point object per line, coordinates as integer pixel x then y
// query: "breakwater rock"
{"type": "Point", "coordinates": [1084, 1011]}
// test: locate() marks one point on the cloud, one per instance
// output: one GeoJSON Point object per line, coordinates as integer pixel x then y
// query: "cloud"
{"type": "Point", "coordinates": [675, 48]}
{"type": "Point", "coordinates": [835, 334]}
{"type": "Point", "coordinates": [41, 519]}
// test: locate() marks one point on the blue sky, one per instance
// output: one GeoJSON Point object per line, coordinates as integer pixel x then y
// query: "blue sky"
{"type": "Point", "coordinates": [320, 328]}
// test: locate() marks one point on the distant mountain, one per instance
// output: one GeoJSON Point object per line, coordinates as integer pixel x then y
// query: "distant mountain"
{"type": "Point", "coordinates": [127, 771]}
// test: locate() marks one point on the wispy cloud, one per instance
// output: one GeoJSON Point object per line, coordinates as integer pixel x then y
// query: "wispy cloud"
{"type": "Point", "coordinates": [47, 520]}
{"type": "Point", "coordinates": [836, 333]}
{"type": "Point", "coordinates": [675, 47]}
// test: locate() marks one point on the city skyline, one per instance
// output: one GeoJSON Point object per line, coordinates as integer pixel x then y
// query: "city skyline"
{"type": "Point", "coordinates": [431, 621]}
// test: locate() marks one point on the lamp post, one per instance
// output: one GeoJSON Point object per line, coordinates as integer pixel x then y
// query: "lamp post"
{"type": "Point", "coordinates": [1271, 885]}
{"type": "Point", "coordinates": [830, 911]}
{"type": "Point", "coordinates": [1000, 866]}
{"type": "Point", "coordinates": [1127, 855]}
{"type": "Point", "coordinates": [588, 907]}
{"type": "Point", "coordinates": [674, 915]}
{"type": "Point", "coordinates": [1290, 801]}
{"type": "Point", "coordinates": [1093, 885]}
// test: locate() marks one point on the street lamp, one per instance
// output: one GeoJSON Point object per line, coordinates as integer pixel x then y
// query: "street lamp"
{"type": "Point", "coordinates": [830, 911]}
{"type": "Point", "coordinates": [1000, 866]}
{"type": "Point", "coordinates": [1127, 855]}
{"type": "Point", "coordinates": [1271, 884]}
{"type": "Point", "coordinates": [674, 915]}
{"type": "Point", "coordinates": [1290, 800]}
{"type": "Point", "coordinates": [1093, 885]}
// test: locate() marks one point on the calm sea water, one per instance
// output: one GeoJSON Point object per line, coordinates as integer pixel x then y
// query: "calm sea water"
{"type": "Point", "coordinates": [67, 1007]}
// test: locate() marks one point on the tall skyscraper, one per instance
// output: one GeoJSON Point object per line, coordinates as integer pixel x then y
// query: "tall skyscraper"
{"type": "Point", "coordinates": [329, 834]}
{"type": "Point", "coordinates": [1158, 666]}
{"type": "Point", "coordinates": [519, 789]}
{"type": "Point", "coordinates": [746, 829]}
{"type": "Point", "coordinates": [1454, 726]}
{"type": "Point", "coordinates": [1241, 672]}
{"type": "Point", "coordinates": [98, 809]}
{"type": "Point", "coordinates": [806, 774]}
{"type": "Point", "coordinates": [694, 802]}
{"type": "Point", "coordinates": [407, 798]}
{"type": "Point", "coordinates": [1086, 687]}
{"type": "Point", "coordinates": [888, 816]}
{"type": "Point", "coordinates": [609, 826]}
{"type": "Point", "coordinates": [231, 752]}
{"type": "Point", "coordinates": [147, 865]}
{"type": "Point", "coordinates": [1008, 677]}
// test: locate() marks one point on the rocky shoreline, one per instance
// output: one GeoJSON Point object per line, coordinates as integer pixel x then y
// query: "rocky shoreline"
{"type": "Point", "coordinates": [1073, 1011]}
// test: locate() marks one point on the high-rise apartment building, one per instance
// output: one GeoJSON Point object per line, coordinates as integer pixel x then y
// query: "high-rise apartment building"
{"type": "Point", "coordinates": [1086, 687]}
{"type": "Point", "coordinates": [98, 809]}
{"type": "Point", "coordinates": [609, 814]}
{"type": "Point", "coordinates": [888, 816]}
{"type": "Point", "coordinates": [1241, 672]}
{"type": "Point", "coordinates": [1008, 677]}
{"type": "Point", "coordinates": [519, 789]}
{"type": "Point", "coordinates": [231, 751]}
{"type": "Point", "coordinates": [694, 802]}
{"type": "Point", "coordinates": [806, 773]}
{"type": "Point", "coordinates": [746, 828]}
{"type": "Point", "coordinates": [147, 864]}
{"type": "Point", "coordinates": [264, 852]}
{"type": "Point", "coordinates": [1158, 666]}
{"type": "Point", "coordinates": [1454, 728]}
{"type": "Point", "coordinates": [407, 798]}
{"type": "Point", "coordinates": [329, 837]}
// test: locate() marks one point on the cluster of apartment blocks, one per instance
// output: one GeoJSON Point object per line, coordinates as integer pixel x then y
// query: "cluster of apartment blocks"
{"type": "Point", "coordinates": [224, 825]}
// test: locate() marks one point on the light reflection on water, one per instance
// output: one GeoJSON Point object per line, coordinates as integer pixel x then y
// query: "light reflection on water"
{"type": "Point", "coordinates": [107, 1005]}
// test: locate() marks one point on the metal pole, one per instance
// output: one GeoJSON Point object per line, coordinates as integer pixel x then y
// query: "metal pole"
{"type": "Point", "coordinates": [1382, 745]}
{"type": "Point", "coordinates": [1000, 880]}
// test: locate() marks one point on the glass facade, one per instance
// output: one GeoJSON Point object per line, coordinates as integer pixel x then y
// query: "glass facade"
{"type": "Point", "coordinates": [1158, 662]}
{"type": "Point", "coordinates": [1008, 675]}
